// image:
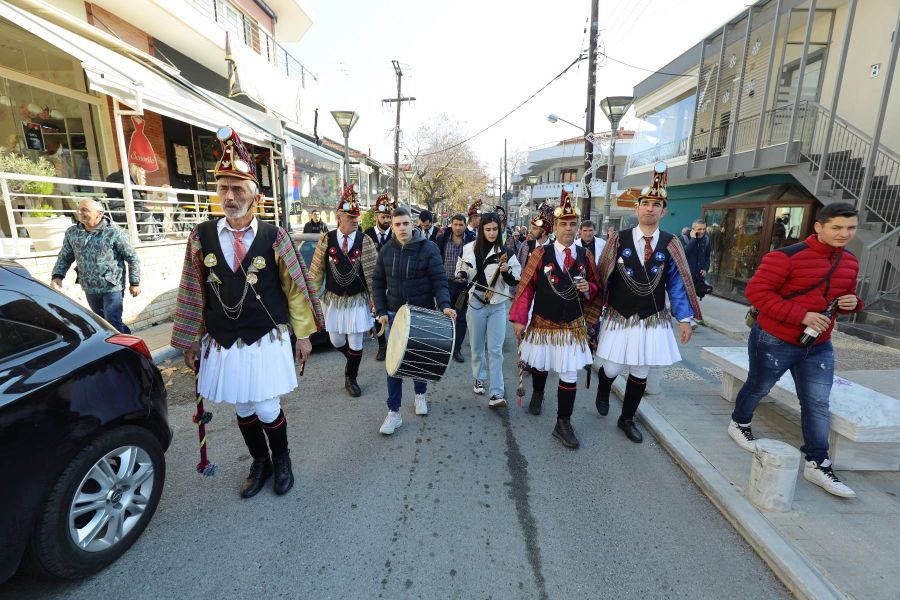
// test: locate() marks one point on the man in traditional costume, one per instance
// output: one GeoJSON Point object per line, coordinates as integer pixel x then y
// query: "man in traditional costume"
{"type": "Point", "coordinates": [473, 213]}
{"type": "Point", "coordinates": [639, 267]}
{"type": "Point", "coordinates": [541, 227]}
{"type": "Point", "coordinates": [559, 285]}
{"type": "Point", "coordinates": [344, 259]}
{"type": "Point", "coordinates": [380, 233]}
{"type": "Point", "coordinates": [244, 289]}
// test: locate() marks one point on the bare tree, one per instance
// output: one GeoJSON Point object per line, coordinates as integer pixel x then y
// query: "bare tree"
{"type": "Point", "coordinates": [445, 170]}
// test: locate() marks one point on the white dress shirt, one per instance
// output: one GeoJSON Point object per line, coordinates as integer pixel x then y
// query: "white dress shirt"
{"type": "Point", "coordinates": [561, 253]}
{"type": "Point", "coordinates": [226, 238]}
{"type": "Point", "coordinates": [638, 237]}
{"type": "Point", "coordinates": [382, 236]}
{"type": "Point", "coordinates": [596, 249]}
{"type": "Point", "coordinates": [350, 238]}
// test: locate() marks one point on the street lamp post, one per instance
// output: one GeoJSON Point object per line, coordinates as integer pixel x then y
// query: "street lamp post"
{"type": "Point", "coordinates": [588, 161]}
{"type": "Point", "coordinates": [614, 107]}
{"type": "Point", "coordinates": [346, 119]}
{"type": "Point", "coordinates": [531, 179]}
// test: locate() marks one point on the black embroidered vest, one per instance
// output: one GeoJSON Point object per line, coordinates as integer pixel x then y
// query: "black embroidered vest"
{"type": "Point", "coordinates": [253, 322]}
{"type": "Point", "coordinates": [335, 259]}
{"type": "Point", "coordinates": [625, 300]}
{"type": "Point", "coordinates": [373, 232]}
{"type": "Point", "coordinates": [550, 304]}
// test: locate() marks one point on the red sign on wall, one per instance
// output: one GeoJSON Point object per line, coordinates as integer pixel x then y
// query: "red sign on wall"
{"type": "Point", "coordinates": [140, 152]}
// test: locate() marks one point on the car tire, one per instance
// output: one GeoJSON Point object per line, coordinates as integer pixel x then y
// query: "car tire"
{"type": "Point", "coordinates": [131, 463]}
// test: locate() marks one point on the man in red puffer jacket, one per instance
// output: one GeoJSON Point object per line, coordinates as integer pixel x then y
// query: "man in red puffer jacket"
{"type": "Point", "coordinates": [793, 289]}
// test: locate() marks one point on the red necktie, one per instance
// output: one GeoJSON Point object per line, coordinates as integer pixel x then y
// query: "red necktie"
{"type": "Point", "coordinates": [568, 262]}
{"type": "Point", "coordinates": [344, 245]}
{"type": "Point", "coordinates": [648, 250]}
{"type": "Point", "coordinates": [240, 250]}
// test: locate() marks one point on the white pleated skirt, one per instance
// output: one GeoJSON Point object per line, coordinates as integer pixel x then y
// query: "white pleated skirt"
{"type": "Point", "coordinates": [554, 357]}
{"type": "Point", "coordinates": [248, 373]}
{"type": "Point", "coordinates": [348, 319]}
{"type": "Point", "coordinates": [638, 345]}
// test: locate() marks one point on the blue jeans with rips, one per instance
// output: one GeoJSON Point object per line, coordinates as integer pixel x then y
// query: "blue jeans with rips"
{"type": "Point", "coordinates": [813, 371]}
{"type": "Point", "coordinates": [109, 306]}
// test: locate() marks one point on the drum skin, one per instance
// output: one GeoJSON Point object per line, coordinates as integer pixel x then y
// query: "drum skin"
{"type": "Point", "coordinates": [420, 344]}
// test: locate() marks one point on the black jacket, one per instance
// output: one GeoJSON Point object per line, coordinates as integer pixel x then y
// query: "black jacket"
{"type": "Point", "coordinates": [412, 273]}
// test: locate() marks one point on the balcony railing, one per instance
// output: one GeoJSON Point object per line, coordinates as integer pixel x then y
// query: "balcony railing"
{"type": "Point", "coordinates": [247, 30]}
{"type": "Point", "coordinates": [657, 153]}
{"type": "Point", "coordinates": [36, 211]}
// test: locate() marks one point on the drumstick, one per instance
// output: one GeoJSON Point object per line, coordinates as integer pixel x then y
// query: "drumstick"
{"type": "Point", "coordinates": [380, 330]}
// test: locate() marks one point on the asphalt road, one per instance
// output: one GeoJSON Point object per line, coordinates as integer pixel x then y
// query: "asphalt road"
{"type": "Point", "coordinates": [463, 503]}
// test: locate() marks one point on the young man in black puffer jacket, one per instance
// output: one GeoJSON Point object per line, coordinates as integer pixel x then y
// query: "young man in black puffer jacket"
{"type": "Point", "coordinates": [409, 271]}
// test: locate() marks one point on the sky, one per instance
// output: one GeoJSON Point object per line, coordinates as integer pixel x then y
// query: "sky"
{"type": "Point", "coordinates": [475, 60]}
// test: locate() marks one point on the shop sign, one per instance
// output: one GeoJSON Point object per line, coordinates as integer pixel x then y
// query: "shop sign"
{"type": "Point", "coordinates": [140, 152]}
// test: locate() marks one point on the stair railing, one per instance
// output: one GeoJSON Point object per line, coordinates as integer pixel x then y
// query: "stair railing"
{"type": "Point", "coordinates": [879, 274]}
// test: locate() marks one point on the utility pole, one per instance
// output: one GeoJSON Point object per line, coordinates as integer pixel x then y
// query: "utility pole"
{"type": "Point", "coordinates": [591, 106]}
{"type": "Point", "coordinates": [399, 100]}
{"type": "Point", "coordinates": [506, 179]}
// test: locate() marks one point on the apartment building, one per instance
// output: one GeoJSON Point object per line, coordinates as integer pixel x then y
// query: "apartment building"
{"type": "Point", "coordinates": [784, 108]}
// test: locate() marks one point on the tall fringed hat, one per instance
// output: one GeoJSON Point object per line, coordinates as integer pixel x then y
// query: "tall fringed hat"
{"type": "Point", "coordinates": [349, 201]}
{"type": "Point", "coordinates": [474, 207]}
{"type": "Point", "coordinates": [235, 160]}
{"type": "Point", "coordinates": [566, 208]}
{"type": "Point", "coordinates": [385, 204]}
{"type": "Point", "coordinates": [544, 217]}
{"type": "Point", "coordinates": [657, 189]}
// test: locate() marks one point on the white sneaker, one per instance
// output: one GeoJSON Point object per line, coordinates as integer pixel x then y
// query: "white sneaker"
{"type": "Point", "coordinates": [478, 387]}
{"type": "Point", "coordinates": [497, 402]}
{"type": "Point", "coordinates": [824, 477]}
{"type": "Point", "coordinates": [391, 422]}
{"type": "Point", "coordinates": [421, 405]}
{"type": "Point", "coordinates": [743, 436]}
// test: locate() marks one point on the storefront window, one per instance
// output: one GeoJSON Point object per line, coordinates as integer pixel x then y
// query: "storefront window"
{"type": "Point", "coordinates": [315, 184]}
{"type": "Point", "coordinates": [43, 121]}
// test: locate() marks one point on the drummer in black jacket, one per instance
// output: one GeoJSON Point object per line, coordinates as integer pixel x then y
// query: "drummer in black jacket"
{"type": "Point", "coordinates": [408, 271]}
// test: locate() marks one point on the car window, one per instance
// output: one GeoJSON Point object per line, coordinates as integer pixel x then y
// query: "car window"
{"type": "Point", "coordinates": [16, 338]}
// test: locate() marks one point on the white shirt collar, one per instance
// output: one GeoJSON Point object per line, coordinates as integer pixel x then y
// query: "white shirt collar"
{"type": "Point", "coordinates": [350, 237]}
{"type": "Point", "coordinates": [638, 236]}
{"type": "Point", "coordinates": [223, 224]}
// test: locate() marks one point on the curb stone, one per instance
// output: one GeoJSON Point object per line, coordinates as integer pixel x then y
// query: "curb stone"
{"type": "Point", "coordinates": [794, 570]}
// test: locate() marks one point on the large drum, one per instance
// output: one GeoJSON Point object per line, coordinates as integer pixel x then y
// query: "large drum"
{"type": "Point", "coordinates": [420, 344]}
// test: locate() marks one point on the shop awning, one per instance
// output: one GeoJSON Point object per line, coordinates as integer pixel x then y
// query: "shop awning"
{"type": "Point", "coordinates": [141, 87]}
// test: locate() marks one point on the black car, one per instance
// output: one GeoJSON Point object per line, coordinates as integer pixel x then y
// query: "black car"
{"type": "Point", "coordinates": [83, 431]}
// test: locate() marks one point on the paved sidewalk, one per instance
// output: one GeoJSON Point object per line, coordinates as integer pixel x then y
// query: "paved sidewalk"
{"type": "Point", "coordinates": [825, 546]}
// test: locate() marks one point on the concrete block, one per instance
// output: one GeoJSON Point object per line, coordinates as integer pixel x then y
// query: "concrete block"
{"type": "Point", "coordinates": [848, 455]}
{"type": "Point", "coordinates": [773, 475]}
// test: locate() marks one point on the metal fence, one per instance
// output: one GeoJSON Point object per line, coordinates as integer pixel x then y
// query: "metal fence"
{"type": "Point", "coordinates": [37, 210]}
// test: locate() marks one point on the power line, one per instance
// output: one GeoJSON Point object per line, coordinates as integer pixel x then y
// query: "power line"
{"type": "Point", "coordinates": [656, 71]}
{"type": "Point", "coordinates": [580, 58]}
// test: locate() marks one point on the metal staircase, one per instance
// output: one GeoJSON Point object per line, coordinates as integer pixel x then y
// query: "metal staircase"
{"type": "Point", "coordinates": [834, 167]}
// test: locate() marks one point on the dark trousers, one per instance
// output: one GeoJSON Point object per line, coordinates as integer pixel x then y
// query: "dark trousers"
{"type": "Point", "coordinates": [455, 290]}
{"type": "Point", "coordinates": [109, 306]}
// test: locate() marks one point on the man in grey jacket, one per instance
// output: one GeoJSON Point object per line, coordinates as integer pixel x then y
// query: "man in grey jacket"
{"type": "Point", "coordinates": [101, 250]}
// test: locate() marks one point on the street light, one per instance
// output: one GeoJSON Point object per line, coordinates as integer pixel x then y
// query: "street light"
{"type": "Point", "coordinates": [346, 119]}
{"type": "Point", "coordinates": [553, 118]}
{"type": "Point", "coordinates": [532, 180]}
{"type": "Point", "coordinates": [614, 107]}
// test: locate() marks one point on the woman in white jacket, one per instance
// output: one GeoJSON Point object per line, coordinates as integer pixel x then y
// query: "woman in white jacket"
{"type": "Point", "coordinates": [491, 269]}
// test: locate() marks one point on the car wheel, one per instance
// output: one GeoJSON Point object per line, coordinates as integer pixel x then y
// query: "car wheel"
{"type": "Point", "coordinates": [100, 504]}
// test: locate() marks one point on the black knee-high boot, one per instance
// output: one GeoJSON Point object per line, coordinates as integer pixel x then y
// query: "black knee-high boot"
{"type": "Point", "coordinates": [604, 387]}
{"type": "Point", "coordinates": [276, 431]}
{"type": "Point", "coordinates": [565, 394]}
{"type": "Point", "coordinates": [354, 357]}
{"type": "Point", "coordinates": [538, 383]}
{"type": "Point", "coordinates": [261, 468]}
{"type": "Point", "coordinates": [634, 391]}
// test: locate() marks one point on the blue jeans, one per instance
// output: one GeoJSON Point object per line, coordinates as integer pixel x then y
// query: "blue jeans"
{"type": "Point", "coordinates": [487, 325]}
{"type": "Point", "coordinates": [395, 384]}
{"type": "Point", "coordinates": [109, 306]}
{"type": "Point", "coordinates": [813, 372]}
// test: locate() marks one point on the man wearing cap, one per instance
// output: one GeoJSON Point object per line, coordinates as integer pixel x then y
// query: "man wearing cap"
{"type": "Point", "coordinates": [639, 267]}
{"type": "Point", "coordinates": [380, 233]}
{"type": "Point", "coordinates": [540, 229]}
{"type": "Point", "coordinates": [244, 289]}
{"type": "Point", "coordinates": [559, 286]}
{"type": "Point", "coordinates": [344, 259]}
{"type": "Point", "coordinates": [474, 215]}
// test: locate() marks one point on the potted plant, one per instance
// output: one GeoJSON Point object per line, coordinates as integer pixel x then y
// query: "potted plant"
{"type": "Point", "coordinates": [45, 228]}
